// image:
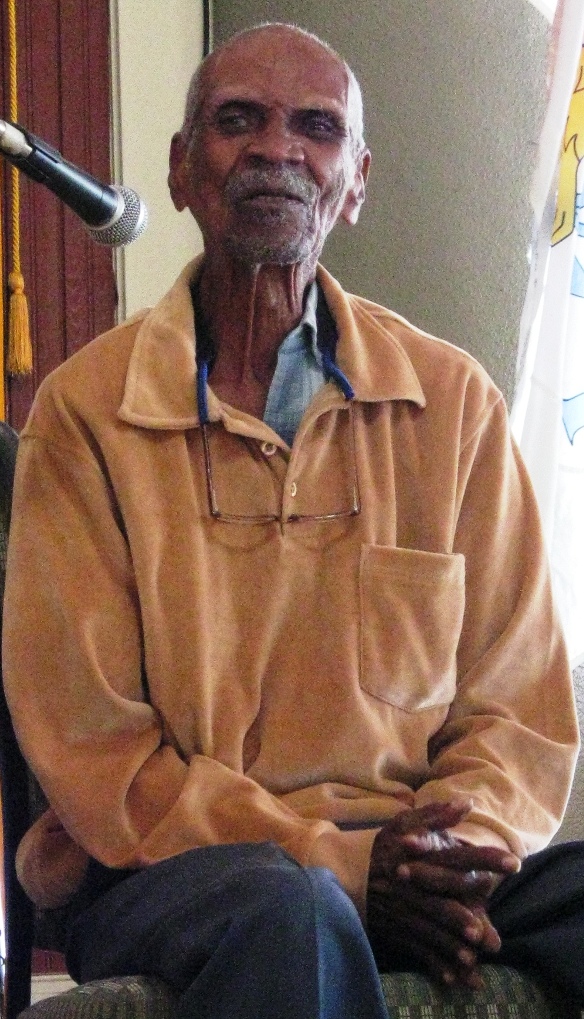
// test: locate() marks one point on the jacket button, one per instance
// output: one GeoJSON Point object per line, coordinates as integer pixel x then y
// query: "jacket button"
{"type": "Point", "coordinates": [268, 448]}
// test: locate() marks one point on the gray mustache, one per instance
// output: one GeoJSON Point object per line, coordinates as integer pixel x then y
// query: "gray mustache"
{"type": "Point", "coordinates": [262, 181]}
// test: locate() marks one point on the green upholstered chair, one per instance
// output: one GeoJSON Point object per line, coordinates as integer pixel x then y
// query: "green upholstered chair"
{"type": "Point", "coordinates": [507, 994]}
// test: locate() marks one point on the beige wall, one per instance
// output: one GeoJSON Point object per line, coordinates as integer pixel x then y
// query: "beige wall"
{"type": "Point", "coordinates": [155, 48]}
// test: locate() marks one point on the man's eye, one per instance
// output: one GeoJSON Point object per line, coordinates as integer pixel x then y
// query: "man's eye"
{"type": "Point", "coordinates": [232, 123]}
{"type": "Point", "coordinates": [318, 124]}
{"type": "Point", "coordinates": [236, 118]}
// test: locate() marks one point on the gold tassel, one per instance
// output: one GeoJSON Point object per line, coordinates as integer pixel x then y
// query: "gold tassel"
{"type": "Point", "coordinates": [19, 345]}
{"type": "Point", "coordinates": [19, 360]}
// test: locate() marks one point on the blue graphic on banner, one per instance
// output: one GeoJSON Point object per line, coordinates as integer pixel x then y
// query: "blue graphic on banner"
{"type": "Point", "coordinates": [573, 415]}
{"type": "Point", "coordinates": [578, 214]}
{"type": "Point", "coordinates": [577, 287]}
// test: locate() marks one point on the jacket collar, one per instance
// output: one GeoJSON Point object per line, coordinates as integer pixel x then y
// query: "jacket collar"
{"type": "Point", "coordinates": [161, 378]}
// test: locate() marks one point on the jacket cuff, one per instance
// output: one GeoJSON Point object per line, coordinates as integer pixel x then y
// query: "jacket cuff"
{"type": "Point", "coordinates": [348, 855]}
{"type": "Point", "coordinates": [49, 865]}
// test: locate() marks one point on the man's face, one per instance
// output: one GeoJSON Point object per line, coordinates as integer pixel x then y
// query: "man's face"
{"type": "Point", "coordinates": [271, 163]}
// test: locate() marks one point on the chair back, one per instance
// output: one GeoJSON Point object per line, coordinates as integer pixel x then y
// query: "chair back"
{"type": "Point", "coordinates": [14, 785]}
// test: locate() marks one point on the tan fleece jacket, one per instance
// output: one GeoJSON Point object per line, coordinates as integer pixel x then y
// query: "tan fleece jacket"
{"type": "Point", "coordinates": [179, 681]}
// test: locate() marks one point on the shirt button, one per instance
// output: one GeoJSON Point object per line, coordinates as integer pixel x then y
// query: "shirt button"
{"type": "Point", "coordinates": [268, 448]}
{"type": "Point", "coordinates": [293, 489]}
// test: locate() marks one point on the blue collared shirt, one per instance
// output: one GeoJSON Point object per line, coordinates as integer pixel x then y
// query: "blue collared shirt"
{"type": "Point", "coordinates": [298, 375]}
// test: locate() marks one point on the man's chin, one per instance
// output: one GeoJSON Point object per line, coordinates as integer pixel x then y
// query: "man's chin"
{"type": "Point", "coordinates": [270, 250]}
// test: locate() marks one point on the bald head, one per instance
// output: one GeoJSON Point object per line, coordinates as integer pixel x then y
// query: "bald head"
{"type": "Point", "coordinates": [211, 66]}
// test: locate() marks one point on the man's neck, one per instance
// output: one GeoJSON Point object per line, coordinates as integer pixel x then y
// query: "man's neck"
{"type": "Point", "coordinates": [249, 310]}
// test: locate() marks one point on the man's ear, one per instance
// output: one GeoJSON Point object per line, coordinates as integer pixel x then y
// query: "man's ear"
{"type": "Point", "coordinates": [356, 193]}
{"type": "Point", "coordinates": [177, 163]}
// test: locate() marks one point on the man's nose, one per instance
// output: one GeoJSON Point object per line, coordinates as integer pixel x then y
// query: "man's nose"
{"type": "Point", "coordinates": [276, 143]}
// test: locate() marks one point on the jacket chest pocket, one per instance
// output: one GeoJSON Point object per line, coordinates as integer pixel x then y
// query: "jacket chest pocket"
{"type": "Point", "coordinates": [411, 607]}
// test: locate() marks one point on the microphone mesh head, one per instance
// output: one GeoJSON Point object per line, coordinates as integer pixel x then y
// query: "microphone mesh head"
{"type": "Point", "coordinates": [127, 225]}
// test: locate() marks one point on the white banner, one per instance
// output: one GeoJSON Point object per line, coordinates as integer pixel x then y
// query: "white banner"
{"type": "Point", "coordinates": [548, 414]}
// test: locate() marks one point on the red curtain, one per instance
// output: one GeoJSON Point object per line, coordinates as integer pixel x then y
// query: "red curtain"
{"type": "Point", "coordinates": [63, 97]}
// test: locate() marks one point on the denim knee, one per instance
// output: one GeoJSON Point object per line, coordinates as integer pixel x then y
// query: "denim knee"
{"type": "Point", "coordinates": [309, 895]}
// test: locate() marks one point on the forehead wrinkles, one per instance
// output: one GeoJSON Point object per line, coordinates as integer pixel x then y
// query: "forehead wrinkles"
{"type": "Point", "coordinates": [279, 71]}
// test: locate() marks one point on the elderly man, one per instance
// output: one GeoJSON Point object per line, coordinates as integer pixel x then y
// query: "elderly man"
{"type": "Point", "coordinates": [279, 638]}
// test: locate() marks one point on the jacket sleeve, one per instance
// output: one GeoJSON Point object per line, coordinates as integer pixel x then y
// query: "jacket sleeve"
{"type": "Point", "coordinates": [511, 737]}
{"type": "Point", "coordinates": [73, 674]}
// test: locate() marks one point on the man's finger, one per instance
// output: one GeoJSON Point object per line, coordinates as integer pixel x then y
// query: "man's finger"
{"type": "Point", "coordinates": [430, 816]}
{"type": "Point", "coordinates": [490, 940]}
{"type": "Point", "coordinates": [437, 948]}
{"type": "Point", "coordinates": [474, 885]}
{"type": "Point", "coordinates": [462, 856]}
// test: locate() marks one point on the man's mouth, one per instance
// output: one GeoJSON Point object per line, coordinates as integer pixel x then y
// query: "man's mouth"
{"type": "Point", "coordinates": [268, 196]}
{"type": "Point", "coordinates": [261, 188]}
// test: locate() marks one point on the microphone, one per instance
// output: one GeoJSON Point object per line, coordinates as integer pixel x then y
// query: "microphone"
{"type": "Point", "coordinates": [112, 214]}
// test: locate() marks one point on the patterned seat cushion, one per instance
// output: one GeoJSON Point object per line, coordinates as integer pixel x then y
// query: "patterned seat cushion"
{"type": "Point", "coordinates": [116, 998]}
{"type": "Point", "coordinates": [507, 995]}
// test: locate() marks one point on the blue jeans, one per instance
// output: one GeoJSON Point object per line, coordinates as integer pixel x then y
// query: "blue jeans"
{"type": "Point", "coordinates": [239, 931]}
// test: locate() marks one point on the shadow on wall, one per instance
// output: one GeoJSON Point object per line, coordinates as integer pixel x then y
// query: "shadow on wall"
{"type": "Point", "coordinates": [454, 97]}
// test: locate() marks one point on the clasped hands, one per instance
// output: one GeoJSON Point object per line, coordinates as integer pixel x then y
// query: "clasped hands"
{"type": "Point", "coordinates": [427, 893]}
